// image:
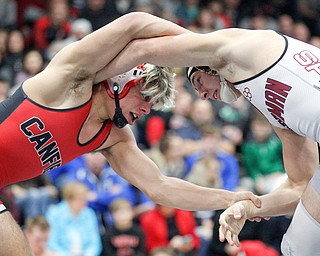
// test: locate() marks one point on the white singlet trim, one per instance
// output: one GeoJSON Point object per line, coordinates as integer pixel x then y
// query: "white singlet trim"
{"type": "Point", "coordinates": [2, 208]}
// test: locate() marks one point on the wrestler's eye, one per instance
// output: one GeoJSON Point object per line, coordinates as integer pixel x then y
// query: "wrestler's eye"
{"type": "Point", "coordinates": [147, 98]}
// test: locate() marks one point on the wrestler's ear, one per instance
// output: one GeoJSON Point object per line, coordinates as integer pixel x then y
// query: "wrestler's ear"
{"type": "Point", "coordinates": [139, 81]}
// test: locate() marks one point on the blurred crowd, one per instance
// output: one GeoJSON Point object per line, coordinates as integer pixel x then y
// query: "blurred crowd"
{"type": "Point", "coordinates": [84, 207]}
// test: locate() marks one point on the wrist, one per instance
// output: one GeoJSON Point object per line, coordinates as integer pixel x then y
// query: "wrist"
{"type": "Point", "coordinates": [250, 209]}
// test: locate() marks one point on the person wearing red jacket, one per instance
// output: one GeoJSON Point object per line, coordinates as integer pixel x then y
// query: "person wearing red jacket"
{"type": "Point", "coordinates": [53, 26]}
{"type": "Point", "coordinates": [170, 227]}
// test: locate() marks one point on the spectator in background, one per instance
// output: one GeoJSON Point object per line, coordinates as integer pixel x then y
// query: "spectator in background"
{"type": "Point", "coordinates": [3, 43]}
{"type": "Point", "coordinates": [8, 14]}
{"type": "Point", "coordinates": [187, 11]}
{"type": "Point", "coordinates": [74, 226]}
{"type": "Point", "coordinates": [204, 22]}
{"type": "Point", "coordinates": [301, 32]}
{"type": "Point", "coordinates": [55, 25]}
{"type": "Point", "coordinates": [58, 175]}
{"type": "Point", "coordinates": [202, 114]}
{"type": "Point", "coordinates": [166, 226]}
{"type": "Point", "coordinates": [37, 231]}
{"type": "Point", "coordinates": [286, 24]}
{"type": "Point", "coordinates": [79, 29]}
{"type": "Point", "coordinates": [172, 153]}
{"type": "Point", "coordinates": [123, 237]}
{"type": "Point", "coordinates": [238, 113]}
{"type": "Point", "coordinates": [33, 63]}
{"type": "Point", "coordinates": [258, 20]}
{"type": "Point", "coordinates": [103, 183]}
{"type": "Point", "coordinates": [309, 14]}
{"type": "Point", "coordinates": [225, 173]}
{"type": "Point", "coordinates": [15, 53]}
{"type": "Point", "coordinates": [262, 158]}
{"type": "Point", "coordinates": [99, 12]}
{"type": "Point", "coordinates": [29, 11]}
{"type": "Point", "coordinates": [218, 8]}
{"type": "Point", "coordinates": [33, 197]}
{"type": "Point", "coordinates": [315, 40]}
{"type": "Point", "coordinates": [4, 89]}
{"type": "Point", "coordinates": [163, 251]}
{"type": "Point", "coordinates": [5, 72]}
{"type": "Point", "coordinates": [180, 122]}
{"type": "Point", "coordinates": [206, 172]}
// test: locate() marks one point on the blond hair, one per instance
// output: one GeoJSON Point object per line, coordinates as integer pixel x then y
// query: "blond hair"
{"type": "Point", "coordinates": [73, 189]}
{"type": "Point", "coordinates": [37, 221]}
{"type": "Point", "coordinates": [158, 84]}
{"type": "Point", "coordinates": [119, 203]}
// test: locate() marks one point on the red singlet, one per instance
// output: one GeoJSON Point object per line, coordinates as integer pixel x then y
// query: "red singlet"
{"type": "Point", "coordinates": [35, 139]}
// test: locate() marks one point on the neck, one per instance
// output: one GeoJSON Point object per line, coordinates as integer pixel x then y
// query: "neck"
{"type": "Point", "coordinates": [101, 103]}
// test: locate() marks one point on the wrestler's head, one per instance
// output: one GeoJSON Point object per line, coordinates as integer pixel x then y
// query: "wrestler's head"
{"type": "Point", "coordinates": [210, 85]}
{"type": "Point", "coordinates": [154, 85]}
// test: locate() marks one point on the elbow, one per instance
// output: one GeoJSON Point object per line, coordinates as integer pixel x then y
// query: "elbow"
{"type": "Point", "coordinates": [143, 50]}
{"type": "Point", "coordinates": [155, 193]}
{"type": "Point", "coordinates": [134, 22]}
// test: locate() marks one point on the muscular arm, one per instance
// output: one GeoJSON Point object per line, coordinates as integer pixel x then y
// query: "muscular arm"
{"type": "Point", "coordinates": [77, 66]}
{"type": "Point", "coordinates": [100, 47]}
{"type": "Point", "coordinates": [301, 160]}
{"type": "Point", "coordinates": [300, 156]}
{"type": "Point", "coordinates": [133, 165]}
{"type": "Point", "coordinates": [224, 50]}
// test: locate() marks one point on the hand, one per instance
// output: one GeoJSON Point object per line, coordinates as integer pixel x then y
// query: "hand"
{"type": "Point", "coordinates": [182, 243]}
{"type": "Point", "coordinates": [232, 221]}
{"type": "Point", "coordinates": [258, 219]}
{"type": "Point", "coordinates": [245, 195]}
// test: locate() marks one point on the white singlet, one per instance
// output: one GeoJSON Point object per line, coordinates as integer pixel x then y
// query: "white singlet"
{"type": "Point", "coordinates": [288, 92]}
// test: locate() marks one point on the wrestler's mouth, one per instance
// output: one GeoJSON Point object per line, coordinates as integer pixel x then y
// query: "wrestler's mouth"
{"type": "Point", "coordinates": [133, 117]}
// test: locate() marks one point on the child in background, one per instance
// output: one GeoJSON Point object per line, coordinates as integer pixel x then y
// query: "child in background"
{"type": "Point", "coordinates": [124, 237]}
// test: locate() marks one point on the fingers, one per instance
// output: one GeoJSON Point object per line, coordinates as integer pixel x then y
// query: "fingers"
{"type": "Point", "coordinates": [255, 199]}
{"type": "Point", "coordinates": [232, 239]}
{"type": "Point", "coordinates": [258, 219]}
{"type": "Point", "coordinates": [255, 219]}
{"type": "Point", "coordinates": [237, 213]}
{"type": "Point", "coordinates": [222, 233]}
{"type": "Point", "coordinates": [235, 239]}
{"type": "Point", "coordinates": [225, 234]}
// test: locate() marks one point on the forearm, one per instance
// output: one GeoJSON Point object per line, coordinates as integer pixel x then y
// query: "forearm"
{"type": "Point", "coordinates": [282, 201]}
{"type": "Point", "coordinates": [103, 45]}
{"type": "Point", "coordinates": [144, 25]}
{"type": "Point", "coordinates": [184, 195]}
{"type": "Point", "coordinates": [140, 171]}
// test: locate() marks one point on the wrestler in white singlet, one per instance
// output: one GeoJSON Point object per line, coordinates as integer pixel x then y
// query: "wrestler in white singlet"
{"type": "Point", "coordinates": [291, 94]}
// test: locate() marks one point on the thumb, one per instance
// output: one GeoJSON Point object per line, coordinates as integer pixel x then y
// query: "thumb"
{"type": "Point", "coordinates": [256, 200]}
{"type": "Point", "coordinates": [237, 214]}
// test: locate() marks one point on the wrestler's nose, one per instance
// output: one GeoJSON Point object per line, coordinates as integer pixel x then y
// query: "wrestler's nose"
{"type": "Point", "coordinates": [146, 108]}
{"type": "Point", "coordinates": [204, 95]}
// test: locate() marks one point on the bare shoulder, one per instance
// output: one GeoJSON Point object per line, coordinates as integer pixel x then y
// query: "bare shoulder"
{"type": "Point", "coordinates": [64, 83]}
{"type": "Point", "coordinates": [247, 52]}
